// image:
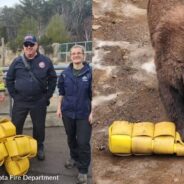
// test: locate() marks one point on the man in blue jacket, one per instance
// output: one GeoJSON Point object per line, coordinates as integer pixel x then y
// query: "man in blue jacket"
{"type": "Point", "coordinates": [75, 108]}
{"type": "Point", "coordinates": [31, 92]}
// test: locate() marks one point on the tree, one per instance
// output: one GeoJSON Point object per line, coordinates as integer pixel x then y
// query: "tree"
{"type": "Point", "coordinates": [56, 30]}
{"type": "Point", "coordinates": [27, 26]}
{"type": "Point", "coordinates": [40, 10]}
{"type": "Point", "coordinates": [8, 22]}
{"type": "Point", "coordinates": [87, 26]}
{"type": "Point", "coordinates": [3, 33]}
{"type": "Point", "coordinates": [75, 18]}
{"type": "Point", "coordinates": [81, 9]}
{"type": "Point", "coordinates": [74, 13]}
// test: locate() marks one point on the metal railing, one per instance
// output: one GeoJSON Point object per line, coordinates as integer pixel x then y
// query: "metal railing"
{"type": "Point", "coordinates": [58, 69]}
{"type": "Point", "coordinates": [65, 50]}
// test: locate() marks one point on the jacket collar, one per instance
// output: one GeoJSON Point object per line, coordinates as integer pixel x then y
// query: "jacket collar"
{"type": "Point", "coordinates": [84, 70]}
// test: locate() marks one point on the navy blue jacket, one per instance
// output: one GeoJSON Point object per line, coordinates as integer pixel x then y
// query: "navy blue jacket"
{"type": "Point", "coordinates": [76, 92]}
{"type": "Point", "coordinates": [20, 84]}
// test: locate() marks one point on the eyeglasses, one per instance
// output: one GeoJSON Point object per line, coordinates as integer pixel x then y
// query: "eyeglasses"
{"type": "Point", "coordinates": [29, 44]}
{"type": "Point", "coordinates": [77, 53]}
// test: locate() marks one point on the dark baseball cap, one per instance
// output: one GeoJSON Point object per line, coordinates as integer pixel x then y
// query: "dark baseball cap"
{"type": "Point", "coordinates": [30, 39]}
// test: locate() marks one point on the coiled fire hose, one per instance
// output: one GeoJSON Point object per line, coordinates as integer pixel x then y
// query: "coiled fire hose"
{"type": "Point", "coordinates": [15, 150]}
{"type": "Point", "coordinates": [144, 138]}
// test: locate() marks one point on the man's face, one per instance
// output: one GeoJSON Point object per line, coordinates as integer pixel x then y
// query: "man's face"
{"type": "Point", "coordinates": [30, 49]}
{"type": "Point", "coordinates": [77, 55]}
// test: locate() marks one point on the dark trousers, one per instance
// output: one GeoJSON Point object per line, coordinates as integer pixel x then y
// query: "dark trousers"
{"type": "Point", "coordinates": [78, 135]}
{"type": "Point", "coordinates": [37, 112]}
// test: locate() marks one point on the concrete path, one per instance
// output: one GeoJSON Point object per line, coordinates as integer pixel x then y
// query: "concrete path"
{"type": "Point", "coordinates": [56, 154]}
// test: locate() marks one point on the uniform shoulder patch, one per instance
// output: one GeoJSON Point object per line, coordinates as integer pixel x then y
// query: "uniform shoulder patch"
{"type": "Point", "coordinates": [84, 78]}
{"type": "Point", "coordinates": [41, 64]}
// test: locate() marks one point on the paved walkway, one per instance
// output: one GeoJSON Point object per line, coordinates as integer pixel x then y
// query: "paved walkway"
{"type": "Point", "coordinates": [56, 153]}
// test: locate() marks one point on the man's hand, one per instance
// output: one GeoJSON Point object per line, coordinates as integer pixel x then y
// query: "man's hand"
{"type": "Point", "coordinates": [58, 113]}
{"type": "Point", "coordinates": [90, 118]}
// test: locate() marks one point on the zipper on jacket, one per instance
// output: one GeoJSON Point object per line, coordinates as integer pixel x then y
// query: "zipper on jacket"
{"type": "Point", "coordinates": [76, 100]}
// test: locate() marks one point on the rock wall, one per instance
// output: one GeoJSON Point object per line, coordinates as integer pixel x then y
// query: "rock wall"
{"type": "Point", "coordinates": [124, 86]}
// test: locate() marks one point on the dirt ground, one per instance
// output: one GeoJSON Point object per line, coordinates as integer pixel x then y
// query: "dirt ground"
{"type": "Point", "coordinates": [125, 88]}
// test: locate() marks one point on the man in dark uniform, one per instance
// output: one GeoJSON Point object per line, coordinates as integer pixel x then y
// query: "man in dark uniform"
{"type": "Point", "coordinates": [31, 92]}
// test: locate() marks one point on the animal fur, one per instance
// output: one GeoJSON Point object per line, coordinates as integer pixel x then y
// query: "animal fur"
{"type": "Point", "coordinates": [166, 24]}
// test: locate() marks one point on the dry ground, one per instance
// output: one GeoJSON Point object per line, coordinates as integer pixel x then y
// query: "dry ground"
{"type": "Point", "coordinates": [125, 88]}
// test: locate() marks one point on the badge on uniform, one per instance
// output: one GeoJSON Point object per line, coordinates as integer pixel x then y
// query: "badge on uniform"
{"type": "Point", "coordinates": [42, 64]}
{"type": "Point", "coordinates": [84, 79]}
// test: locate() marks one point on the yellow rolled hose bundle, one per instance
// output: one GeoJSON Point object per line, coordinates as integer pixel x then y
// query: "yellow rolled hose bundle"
{"type": "Point", "coordinates": [144, 138]}
{"type": "Point", "coordinates": [15, 150]}
{"type": "Point", "coordinates": [179, 145]}
{"type": "Point", "coordinates": [3, 153]}
{"type": "Point", "coordinates": [120, 137]}
{"type": "Point", "coordinates": [7, 128]}
{"type": "Point", "coordinates": [2, 86]}
{"type": "Point", "coordinates": [17, 167]}
{"type": "Point", "coordinates": [21, 146]}
{"type": "Point", "coordinates": [164, 137]}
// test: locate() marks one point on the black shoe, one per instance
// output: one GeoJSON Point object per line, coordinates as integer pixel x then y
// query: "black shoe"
{"type": "Point", "coordinates": [41, 154]}
{"type": "Point", "coordinates": [70, 163]}
{"type": "Point", "coordinates": [82, 179]}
